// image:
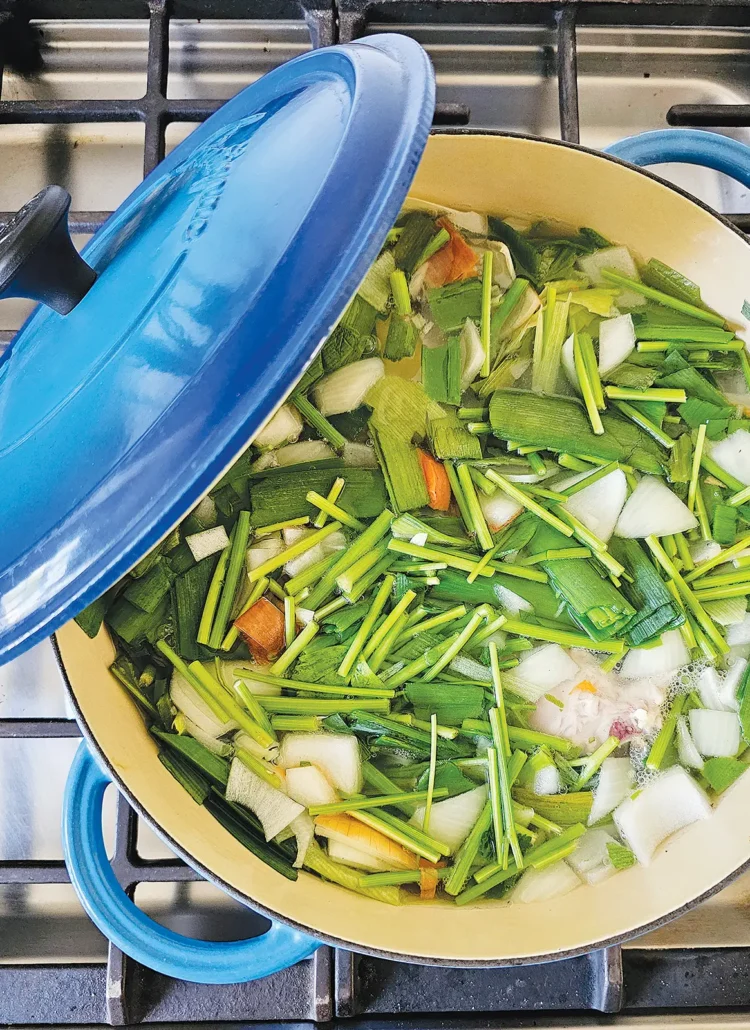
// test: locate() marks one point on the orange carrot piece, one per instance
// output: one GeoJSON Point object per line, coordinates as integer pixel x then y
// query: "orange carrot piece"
{"type": "Point", "coordinates": [439, 266]}
{"type": "Point", "coordinates": [436, 481]}
{"type": "Point", "coordinates": [586, 686]}
{"type": "Point", "coordinates": [428, 879]}
{"type": "Point", "coordinates": [464, 258]}
{"type": "Point", "coordinates": [262, 628]}
{"type": "Point", "coordinates": [357, 835]}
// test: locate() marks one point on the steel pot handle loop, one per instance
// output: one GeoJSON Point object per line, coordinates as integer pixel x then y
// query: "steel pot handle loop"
{"type": "Point", "coordinates": [686, 146]}
{"type": "Point", "coordinates": [37, 256]}
{"type": "Point", "coordinates": [131, 930]}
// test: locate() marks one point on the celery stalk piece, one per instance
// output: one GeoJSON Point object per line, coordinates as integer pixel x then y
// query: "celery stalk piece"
{"type": "Point", "coordinates": [419, 665]}
{"type": "Point", "coordinates": [318, 421]}
{"type": "Point", "coordinates": [294, 551]}
{"type": "Point", "coordinates": [529, 503]}
{"type": "Point", "coordinates": [643, 422]}
{"type": "Point", "coordinates": [467, 853]}
{"type": "Point", "coordinates": [295, 649]}
{"type": "Point", "coordinates": [378, 604]}
{"type": "Point", "coordinates": [502, 740]}
{"type": "Point", "coordinates": [684, 552]}
{"type": "Point", "coordinates": [496, 803]}
{"type": "Point", "coordinates": [274, 527]}
{"type": "Point", "coordinates": [437, 243]}
{"type": "Point", "coordinates": [214, 701]}
{"type": "Point", "coordinates": [212, 598]}
{"type": "Point", "coordinates": [362, 545]}
{"type": "Point", "coordinates": [721, 593]}
{"type": "Point", "coordinates": [687, 595]}
{"type": "Point", "coordinates": [592, 369]}
{"type": "Point", "coordinates": [725, 556]}
{"type": "Point", "coordinates": [741, 497]}
{"type": "Point", "coordinates": [594, 761]}
{"type": "Point", "coordinates": [364, 583]}
{"type": "Point", "coordinates": [486, 311]}
{"type": "Point", "coordinates": [296, 723]}
{"type": "Point", "coordinates": [665, 735]}
{"type": "Point", "coordinates": [323, 707]}
{"type": "Point", "coordinates": [483, 535]}
{"type": "Point", "coordinates": [318, 862]}
{"type": "Point", "coordinates": [249, 701]}
{"type": "Point", "coordinates": [499, 736]}
{"type": "Point", "coordinates": [329, 508]}
{"type": "Point", "coordinates": [619, 393]}
{"type": "Point", "coordinates": [701, 514]}
{"type": "Point", "coordinates": [310, 575]}
{"type": "Point", "coordinates": [400, 836]}
{"type": "Point", "coordinates": [483, 563]}
{"type": "Point", "coordinates": [233, 709]}
{"type": "Point", "coordinates": [333, 495]}
{"type": "Point", "coordinates": [358, 804]}
{"type": "Point", "coordinates": [388, 643]}
{"type": "Point", "coordinates": [696, 467]}
{"type": "Point", "coordinates": [235, 568]}
{"type": "Point", "coordinates": [257, 766]}
{"type": "Point", "coordinates": [388, 623]}
{"type": "Point", "coordinates": [396, 878]}
{"type": "Point", "coordinates": [721, 474]}
{"type": "Point", "coordinates": [453, 561]}
{"type": "Point", "coordinates": [431, 792]}
{"type": "Point", "coordinates": [376, 779]}
{"type": "Point", "coordinates": [458, 644]}
{"type": "Point", "coordinates": [360, 567]}
{"type": "Point", "coordinates": [256, 593]}
{"type": "Point", "coordinates": [290, 620]}
{"type": "Point", "coordinates": [321, 688]}
{"type": "Point", "coordinates": [691, 349]}
{"type": "Point", "coordinates": [487, 488]}
{"type": "Point", "coordinates": [587, 390]}
{"type": "Point", "coordinates": [458, 493]}
{"type": "Point", "coordinates": [432, 623]}
{"type": "Point", "coordinates": [663, 298]}
{"type": "Point", "coordinates": [566, 638]}
{"type": "Point", "coordinates": [489, 630]}
{"type": "Point", "coordinates": [415, 833]}
{"type": "Point", "coordinates": [589, 480]}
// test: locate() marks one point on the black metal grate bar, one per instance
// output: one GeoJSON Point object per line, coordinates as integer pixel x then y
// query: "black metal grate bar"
{"type": "Point", "coordinates": [38, 728]}
{"type": "Point", "coordinates": [567, 73]}
{"type": "Point", "coordinates": [718, 116]}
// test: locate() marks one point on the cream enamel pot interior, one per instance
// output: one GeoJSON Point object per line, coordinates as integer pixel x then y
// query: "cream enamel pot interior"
{"type": "Point", "coordinates": [505, 175]}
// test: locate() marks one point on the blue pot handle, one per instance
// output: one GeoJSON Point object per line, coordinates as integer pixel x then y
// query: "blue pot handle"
{"type": "Point", "coordinates": [124, 924]}
{"type": "Point", "coordinates": [686, 146]}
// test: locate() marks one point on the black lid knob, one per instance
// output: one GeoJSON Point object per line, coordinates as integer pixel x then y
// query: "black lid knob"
{"type": "Point", "coordinates": [37, 256]}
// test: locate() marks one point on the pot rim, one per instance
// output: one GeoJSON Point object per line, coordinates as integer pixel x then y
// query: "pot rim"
{"type": "Point", "coordinates": [337, 942]}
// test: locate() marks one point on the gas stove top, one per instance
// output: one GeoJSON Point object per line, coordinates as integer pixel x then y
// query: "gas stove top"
{"type": "Point", "coordinates": [92, 99]}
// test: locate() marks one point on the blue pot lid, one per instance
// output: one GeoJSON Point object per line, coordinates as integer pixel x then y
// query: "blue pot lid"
{"type": "Point", "coordinates": [219, 279]}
